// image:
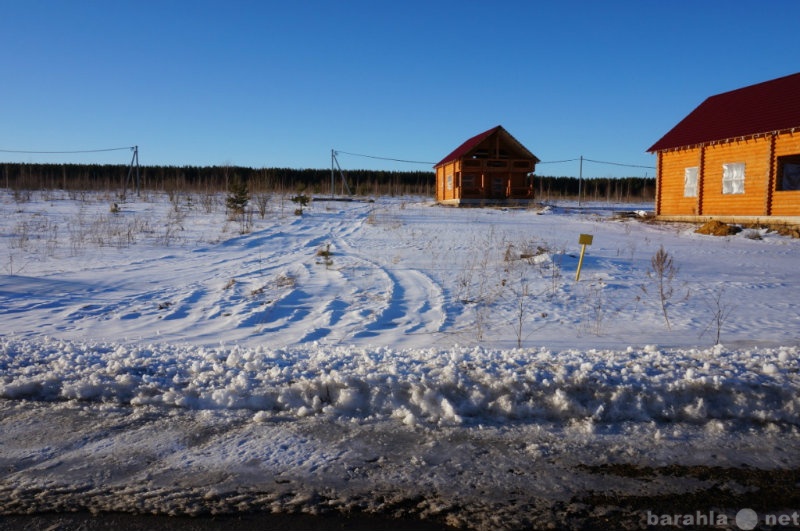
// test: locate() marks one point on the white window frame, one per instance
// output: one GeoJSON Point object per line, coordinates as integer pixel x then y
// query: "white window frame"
{"type": "Point", "coordinates": [690, 181]}
{"type": "Point", "coordinates": [733, 178]}
{"type": "Point", "coordinates": [450, 181]}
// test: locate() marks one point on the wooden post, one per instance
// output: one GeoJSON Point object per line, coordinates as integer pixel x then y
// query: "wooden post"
{"type": "Point", "coordinates": [584, 240]}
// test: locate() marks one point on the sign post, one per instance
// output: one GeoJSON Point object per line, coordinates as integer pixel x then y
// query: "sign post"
{"type": "Point", "coordinates": [584, 240]}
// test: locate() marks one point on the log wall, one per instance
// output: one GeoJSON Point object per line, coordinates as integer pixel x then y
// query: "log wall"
{"type": "Point", "coordinates": [761, 196]}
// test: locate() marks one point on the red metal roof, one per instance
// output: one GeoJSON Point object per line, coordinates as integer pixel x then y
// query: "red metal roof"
{"type": "Point", "coordinates": [464, 149]}
{"type": "Point", "coordinates": [762, 108]}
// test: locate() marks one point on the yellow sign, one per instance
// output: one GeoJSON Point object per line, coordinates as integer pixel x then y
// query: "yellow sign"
{"type": "Point", "coordinates": [583, 240]}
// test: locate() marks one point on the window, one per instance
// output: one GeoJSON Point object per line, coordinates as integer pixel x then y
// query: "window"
{"type": "Point", "coordinates": [788, 173]}
{"type": "Point", "coordinates": [450, 182]}
{"type": "Point", "coordinates": [690, 182]}
{"type": "Point", "coordinates": [468, 180]}
{"type": "Point", "coordinates": [733, 178]}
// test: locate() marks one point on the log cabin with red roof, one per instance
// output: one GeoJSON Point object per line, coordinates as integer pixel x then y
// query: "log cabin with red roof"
{"type": "Point", "coordinates": [490, 168]}
{"type": "Point", "coordinates": [736, 157]}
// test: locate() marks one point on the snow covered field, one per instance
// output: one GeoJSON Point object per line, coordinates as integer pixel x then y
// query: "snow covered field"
{"type": "Point", "coordinates": [392, 357]}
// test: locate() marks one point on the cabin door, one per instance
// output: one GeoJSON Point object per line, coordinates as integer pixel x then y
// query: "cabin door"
{"type": "Point", "coordinates": [498, 188]}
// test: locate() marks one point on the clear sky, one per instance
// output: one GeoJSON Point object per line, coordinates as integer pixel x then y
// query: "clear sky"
{"type": "Point", "coordinates": [281, 83]}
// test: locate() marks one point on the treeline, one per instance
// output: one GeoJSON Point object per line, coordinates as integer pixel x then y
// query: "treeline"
{"type": "Point", "coordinates": [206, 179]}
{"type": "Point", "coordinates": [212, 179]}
{"type": "Point", "coordinates": [596, 188]}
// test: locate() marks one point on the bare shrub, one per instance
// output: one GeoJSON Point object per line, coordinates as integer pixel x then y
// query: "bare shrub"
{"type": "Point", "coordinates": [720, 311]}
{"type": "Point", "coordinates": [257, 291]}
{"type": "Point", "coordinates": [262, 201]}
{"type": "Point", "coordinates": [285, 280]}
{"type": "Point", "coordinates": [209, 202]}
{"type": "Point", "coordinates": [552, 269]}
{"type": "Point", "coordinates": [594, 298]}
{"type": "Point", "coordinates": [38, 234]}
{"type": "Point", "coordinates": [12, 266]}
{"type": "Point", "coordinates": [22, 196]}
{"type": "Point", "coordinates": [663, 272]}
{"type": "Point", "coordinates": [519, 288]}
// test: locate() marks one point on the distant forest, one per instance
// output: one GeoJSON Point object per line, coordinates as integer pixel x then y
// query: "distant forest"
{"type": "Point", "coordinates": [23, 176]}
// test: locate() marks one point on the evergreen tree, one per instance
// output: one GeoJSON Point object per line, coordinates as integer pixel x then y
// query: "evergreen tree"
{"type": "Point", "coordinates": [238, 195]}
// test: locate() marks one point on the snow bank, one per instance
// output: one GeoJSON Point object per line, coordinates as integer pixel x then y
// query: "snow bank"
{"type": "Point", "coordinates": [460, 385]}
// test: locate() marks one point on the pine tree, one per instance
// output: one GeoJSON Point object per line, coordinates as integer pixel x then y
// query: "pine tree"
{"type": "Point", "coordinates": [238, 195]}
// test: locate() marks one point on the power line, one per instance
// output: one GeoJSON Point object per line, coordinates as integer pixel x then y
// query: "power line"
{"type": "Point", "coordinates": [556, 161]}
{"type": "Point", "coordinates": [621, 164]}
{"type": "Point", "coordinates": [385, 158]}
{"type": "Point", "coordinates": [541, 162]}
{"type": "Point", "coordinates": [65, 152]}
{"type": "Point", "coordinates": [598, 162]}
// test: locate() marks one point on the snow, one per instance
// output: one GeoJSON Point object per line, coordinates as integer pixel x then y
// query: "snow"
{"type": "Point", "coordinates": [461, 385]}
{"type": "Point", "coordinates": [165, 358]}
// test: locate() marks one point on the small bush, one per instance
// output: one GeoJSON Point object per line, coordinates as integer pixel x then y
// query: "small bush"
{"type": "Point", "coordinates": [326, 254]}
{"type": "Point", "coordinates": [302, 200]}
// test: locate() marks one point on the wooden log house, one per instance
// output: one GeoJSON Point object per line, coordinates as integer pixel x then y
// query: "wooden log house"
{"type": "Point", "coordinates": [489, 168]}
{"type": "Point", "coordinates": [735, 158]}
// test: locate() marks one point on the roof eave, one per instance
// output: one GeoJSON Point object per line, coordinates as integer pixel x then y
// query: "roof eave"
{"type": "Point", "coordinates": [655, 149]}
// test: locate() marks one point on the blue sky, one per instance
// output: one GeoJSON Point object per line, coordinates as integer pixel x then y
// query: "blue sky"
{"type": "Point", "coordinates": [280, 84]}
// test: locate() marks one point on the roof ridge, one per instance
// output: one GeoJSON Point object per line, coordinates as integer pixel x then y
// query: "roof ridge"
{"type": "Point", "coordinates": [468, 144]}
{"type": "Point", "coordinates": [472, 142]}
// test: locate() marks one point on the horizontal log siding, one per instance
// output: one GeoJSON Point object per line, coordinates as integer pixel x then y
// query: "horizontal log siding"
{"type": "Point", "coordinates": [670, 181]}
{"type": "Point", "coordinates": [449, 168]}
{"type": "Point", "coordinates": [786, 203]}
{"type": "Point", "coordinates": [754, 153]}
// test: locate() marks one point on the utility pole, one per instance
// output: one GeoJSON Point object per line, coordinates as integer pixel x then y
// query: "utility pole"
{"type": "Point", "coordinates": [334, 160]}
{"type": "Point", "coordinates": [134, 160]}
{"type": "Point", "coordinates": [580, 182]}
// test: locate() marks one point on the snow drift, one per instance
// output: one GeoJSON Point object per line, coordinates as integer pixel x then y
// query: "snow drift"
{"type": "Point", "coordinates": [459, 385]}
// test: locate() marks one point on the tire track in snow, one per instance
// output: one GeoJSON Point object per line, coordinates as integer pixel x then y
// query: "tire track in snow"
{"type": "Point", "coordinates": [232, 291]}
{"type": "Point", "coordinates": [413, 304]}
{"type": "Point", "coordinates": [222, 302]}
{"type": "Point", "coordinates": [355, 297]}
